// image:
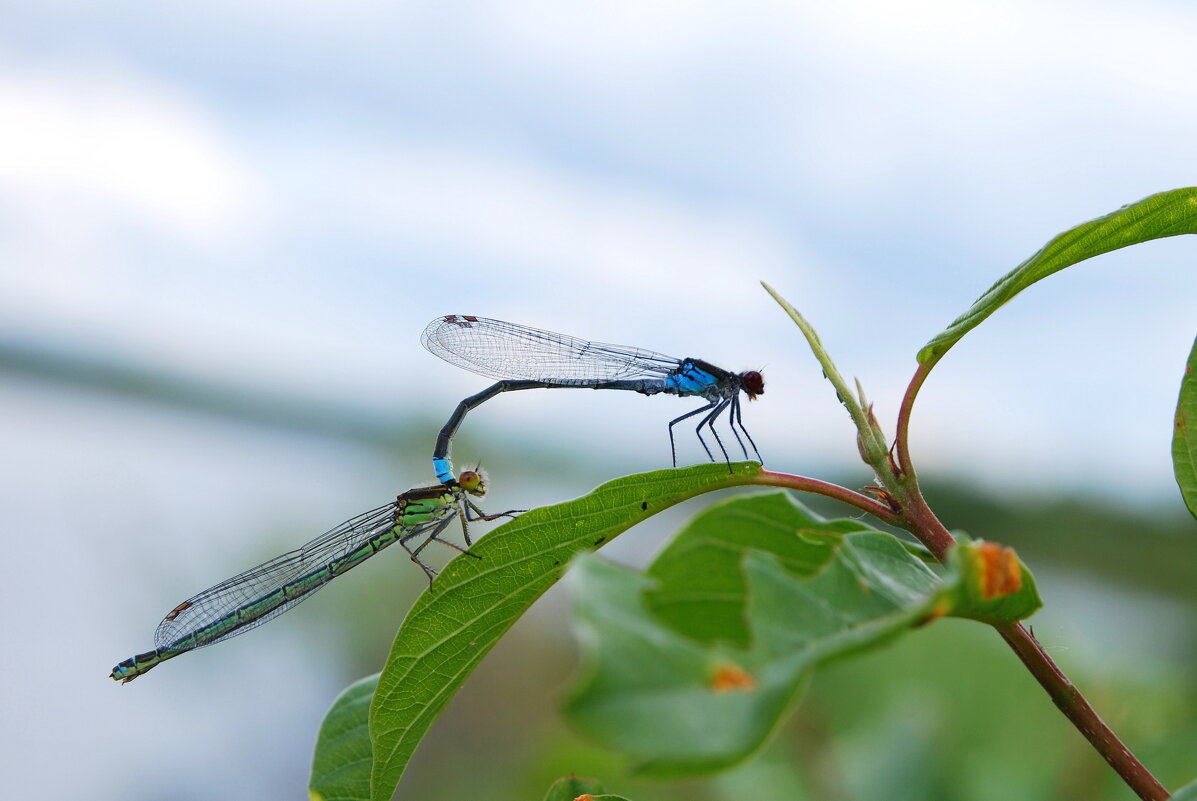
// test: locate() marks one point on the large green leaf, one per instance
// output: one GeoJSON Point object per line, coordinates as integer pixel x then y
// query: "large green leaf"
{"type": "Point", "coordinates": [690, 679]}
{"type": "Point", "coordinates": [700, 589]}
{"type": "Point", "coordinates": [341, 764]}
{"type": "Point", "coordinates": [474, 601]}
{"type": "Point", "coordinates": [1184, 437]}
{"type": "Point", "coordinates": [679, 707]}
{"type": "Point", "coordinates": [1166, 214]}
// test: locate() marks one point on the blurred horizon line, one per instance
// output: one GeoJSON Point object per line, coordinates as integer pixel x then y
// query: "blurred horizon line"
{"type": "Point", "coordinates": [107, 373]}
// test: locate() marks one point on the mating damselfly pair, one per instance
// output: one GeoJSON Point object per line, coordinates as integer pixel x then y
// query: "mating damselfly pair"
{"type": "Point", "coordinates": [520, 358]}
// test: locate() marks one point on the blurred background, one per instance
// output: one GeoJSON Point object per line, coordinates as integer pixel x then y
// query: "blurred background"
{"type": "Point", "coordinates": [223, 227]}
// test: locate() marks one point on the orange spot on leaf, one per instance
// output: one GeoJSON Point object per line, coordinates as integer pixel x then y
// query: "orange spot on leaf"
{"type": "Point", "coordinates": [732, 678]}
{"type": "Point", "coordinates": [1000, 571]}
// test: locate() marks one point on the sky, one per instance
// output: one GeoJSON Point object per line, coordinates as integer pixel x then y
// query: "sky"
{"type": "Point", "coordinates": [283, 196]}
{"type": "Point", "coordinates": [278, 197]}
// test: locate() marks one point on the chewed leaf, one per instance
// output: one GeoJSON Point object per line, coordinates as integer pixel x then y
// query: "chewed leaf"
{"type": "Point", "coordinates": [700, 589]}
{"type": "Point", "coordinates": [679, 706]}
{"type": "Point", "coordinates": [689, 668]}
{"type": "Point", "coordinates": [1166, 214]}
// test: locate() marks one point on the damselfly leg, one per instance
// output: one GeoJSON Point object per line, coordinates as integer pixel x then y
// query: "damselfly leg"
{"type": "Point", "coordinates": [737, 419]}
{"type": "Point", "coordinates": [709, 422]}
{"type": "Point", "coordinates": [472, 513]}
{"type": "Point", "coordinates": [689, 414]}
{"type": "Point", "coordinates": [436, 529]}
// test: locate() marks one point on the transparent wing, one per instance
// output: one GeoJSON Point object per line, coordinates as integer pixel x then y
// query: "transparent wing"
{"type": "Point", "coordinates": [219, 602]}
{"type": "Point", "coordinates": [502, 350]}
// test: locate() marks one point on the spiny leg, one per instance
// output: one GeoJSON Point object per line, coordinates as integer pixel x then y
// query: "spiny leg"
{"type": "Point", "coordinates": [469, 511]}
{"type": "Point", "coordinates": [463, 514]}
{"type": "Point", "coordinates": [739, 420]}
{"type": "Point", "coordinates": [699, 410]}
{"type": "Point", "coordinates": [437, 528]}
{"type": "Point", "coordinates": [709, 422]}
{"type": "Point", "coordinates": [480, 515]}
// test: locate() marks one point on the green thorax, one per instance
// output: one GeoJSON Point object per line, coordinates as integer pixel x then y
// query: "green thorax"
{"type": "Point", "coordinates": [425, 504]}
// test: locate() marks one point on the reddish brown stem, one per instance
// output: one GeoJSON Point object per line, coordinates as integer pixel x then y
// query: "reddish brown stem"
{"type": "Point", "coordinates": [901, 436]}
{"type": "Point", "coordinates": [829, 490]}
{"type": "Point", "coordinates": [1068, 699]}
{"type": "Point", "coordinates": [918, 519]}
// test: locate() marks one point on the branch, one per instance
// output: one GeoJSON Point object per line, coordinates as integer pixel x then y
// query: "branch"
{"type": "Point", "coordinates": [919, 520]}
{"type": "Point", "coordinates": [829, 490]}
{"type": "Point", "coordinates": [1068, 699]}
{"type": "Point", "coordinates": [908, 509]}
{"type": "Point", "coordinates": [902, 435]}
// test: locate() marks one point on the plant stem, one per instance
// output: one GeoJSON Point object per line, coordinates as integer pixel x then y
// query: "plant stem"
{"type": "Point", "coordinates": [1068, 699]}
{"type": "Point", "coordinates": [902, 436]}
{"type": "Point", "coordinates": [829, 490]}
{"type": "Point", "coordinates": [909, 510]}
{"type": "Point", "coordinates": [919, 520]}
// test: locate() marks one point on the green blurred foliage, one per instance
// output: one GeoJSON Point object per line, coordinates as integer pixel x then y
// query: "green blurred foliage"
{"type": "Point", "coordinates": [946, 713]}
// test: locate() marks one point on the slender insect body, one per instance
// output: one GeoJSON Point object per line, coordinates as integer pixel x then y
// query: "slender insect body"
{"type": "Point", "coordinates": [520, 358]}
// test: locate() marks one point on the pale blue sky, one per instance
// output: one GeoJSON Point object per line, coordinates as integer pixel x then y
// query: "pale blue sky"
{"type": "Point", "coordinates": [284, 195]}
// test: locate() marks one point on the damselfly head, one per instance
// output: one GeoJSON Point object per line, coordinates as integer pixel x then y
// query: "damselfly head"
{"type": "Point", "coordinates": [473, 481]}
{"type": "Point", "coordinates": [753, 383]}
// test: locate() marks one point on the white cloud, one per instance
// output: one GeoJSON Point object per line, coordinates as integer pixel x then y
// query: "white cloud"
{"type": "Point", "coordinates": [100, 142]}
{"type": "Point", "coordinates": [604, 238]}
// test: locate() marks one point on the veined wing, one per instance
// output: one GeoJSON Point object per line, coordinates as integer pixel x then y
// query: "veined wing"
{"type": "Point", "coordinates": [502, 350]}
{"type": "Point", "coordinates": [219, 602]}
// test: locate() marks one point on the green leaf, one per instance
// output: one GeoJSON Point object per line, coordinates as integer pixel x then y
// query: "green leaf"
{"type": "Point", "coordinates": [700, 589]}
{"type": "Point", "coordinates": [1184, 437]}
{"type": "Point", "coordinates": [341, 764]}
{"type": "Point", "coordinates": [474, 601]}
{"type": "Point", "coordinates": [1155, 217]}
{"type": "Point", "coordinates": [690, 667]}
{"type": "Point", "coordinates": [1186, 793]}
{"type": "Point", "coordinates": [648, 692]}
{"type": "Point", "coordinates": [681, 707]}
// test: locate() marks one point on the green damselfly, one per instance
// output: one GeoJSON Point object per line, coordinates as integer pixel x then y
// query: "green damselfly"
{"type": "Point", "coordinates": [253, 597]}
